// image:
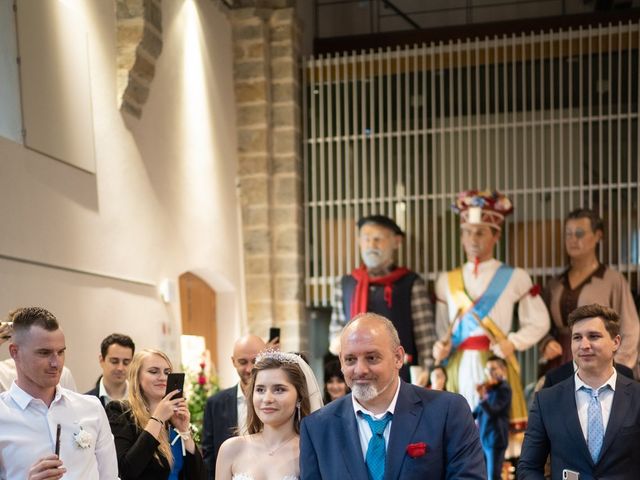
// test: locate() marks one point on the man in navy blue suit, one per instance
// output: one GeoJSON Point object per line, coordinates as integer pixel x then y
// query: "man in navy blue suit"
{"type": "Point", "coordinates": [386, 428]}
{"type": "Point", "coordinates": [590, 422]}
{"type": "Point", "coordinates": [492, 414]}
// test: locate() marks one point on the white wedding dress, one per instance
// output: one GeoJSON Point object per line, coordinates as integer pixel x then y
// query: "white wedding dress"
{"type": "Point", "coordinates": [244, 476]}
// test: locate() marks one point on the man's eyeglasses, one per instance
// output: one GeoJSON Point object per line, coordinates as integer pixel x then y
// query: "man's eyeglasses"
{"type": "Point", "coordinates": [578, 233]}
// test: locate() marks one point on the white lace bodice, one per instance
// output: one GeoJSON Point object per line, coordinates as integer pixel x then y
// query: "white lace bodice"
{"type": "Point", "coordinates": [244, 476]}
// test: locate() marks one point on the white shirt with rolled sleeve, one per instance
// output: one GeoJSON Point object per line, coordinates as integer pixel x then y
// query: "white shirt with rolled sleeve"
{"type": "Point", "coordinates": [28, 433]}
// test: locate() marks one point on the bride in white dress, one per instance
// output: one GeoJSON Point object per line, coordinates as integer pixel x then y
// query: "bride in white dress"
{"type": "Point", "coordinates": [283, 390]}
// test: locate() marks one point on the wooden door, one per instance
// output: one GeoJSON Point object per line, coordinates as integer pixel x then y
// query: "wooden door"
{"type": "Point", "coordinates": [198, 309]}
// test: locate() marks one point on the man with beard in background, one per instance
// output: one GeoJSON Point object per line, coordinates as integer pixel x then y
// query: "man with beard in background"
{"type": "Point", "coordinates": [382, 287]}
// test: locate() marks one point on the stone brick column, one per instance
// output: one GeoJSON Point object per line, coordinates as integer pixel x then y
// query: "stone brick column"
{"type": "Point", "coordinates": [139, 41]}
{"type": "Point", "coordinates": [266, 70]}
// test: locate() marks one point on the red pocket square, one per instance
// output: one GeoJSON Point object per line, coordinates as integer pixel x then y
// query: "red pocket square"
{"type": "Point", "coordinates": [416, 450]}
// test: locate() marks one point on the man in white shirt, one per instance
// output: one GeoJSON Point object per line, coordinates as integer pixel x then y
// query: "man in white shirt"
{"type": "Point", "coordinates": [36, 408]}
{"type": "Point", "coordinates": [387, 428]}
{"type": "Point", "coordinates": [116, 353]}
{"type": "Point", "coordinates": [587, 423]}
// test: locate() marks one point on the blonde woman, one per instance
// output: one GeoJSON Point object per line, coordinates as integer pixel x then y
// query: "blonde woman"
{"type": "Point", "coordinates": [282, 392]}
{"type": "Point", "coordinates": [151, 431]}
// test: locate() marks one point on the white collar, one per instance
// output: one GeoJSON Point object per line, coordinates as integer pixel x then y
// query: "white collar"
{"type": "Point", "coordinates": [611, 382]}
{"type": "Point", "coordinates": [102, 390]}
{"type": "Point", "coordinates": [23, 399]}
{"type": "Point", "coordinates": [390, 408]}
{"type": "Point", "coordinates": [240, 393]}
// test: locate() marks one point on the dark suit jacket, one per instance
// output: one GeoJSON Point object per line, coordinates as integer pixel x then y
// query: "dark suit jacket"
{"type": "Point", "coordinates": [492, 414]}
{"type": "Point", "coordinates": [95, 391]}
{"type": "Point", "coordinates": [220, 422]}
{"type": "Point", "coordinates": [554, 428]}
{"type": "Point", "coordinates": [565, 371]}
{"type": "Point", "coordinates": [330, 445]}
{"type": "Point", "coordinates": [136, 449]}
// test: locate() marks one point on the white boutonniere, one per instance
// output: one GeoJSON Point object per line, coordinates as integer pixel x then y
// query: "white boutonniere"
{"type": "Point", "coordinates": [83, 438]}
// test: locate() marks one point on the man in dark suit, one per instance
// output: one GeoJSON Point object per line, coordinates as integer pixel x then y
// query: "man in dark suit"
{"type": "Point", "coordinates": [116, 353]}
{"type": "Point", "coordinates": [386, 428]}
{"type": "Point", "coordinates": [225, 413]}
{"type": "Point", "coordinates": [588, 423]}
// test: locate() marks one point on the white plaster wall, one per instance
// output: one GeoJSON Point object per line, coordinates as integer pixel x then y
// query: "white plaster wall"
{"type": "Point", "coordinates": [163, 200]}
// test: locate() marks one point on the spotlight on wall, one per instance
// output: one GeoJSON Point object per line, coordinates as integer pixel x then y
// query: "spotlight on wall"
{"type": "Point", "coordinates": [167, 290]}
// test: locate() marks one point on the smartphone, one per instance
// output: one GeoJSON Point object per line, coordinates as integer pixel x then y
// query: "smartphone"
{"type": "Point", "coordinates": [175, 381]}
{"type": "Point", "coordinates": [274, 332]}
{"type": "Point", "coordinates": [570, 475]}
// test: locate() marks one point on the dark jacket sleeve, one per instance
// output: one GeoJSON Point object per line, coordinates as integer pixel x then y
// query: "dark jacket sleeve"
{"type": "Point", "coordinates": [208, 447]}
{"type": "Point", "coordinates": [535, 448]}
{"type": "Point", "coordinates": [309, 467]}
{"type": "Point", "coordinates": [193, 467]}
{"type": "Point", "coordinates": [498, 403]}
{"type": "Point", "coordinates": [134, 449]}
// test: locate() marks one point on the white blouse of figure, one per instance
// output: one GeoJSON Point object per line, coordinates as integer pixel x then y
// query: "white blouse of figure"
{"type": "Point", "coordinates": [272, 454]}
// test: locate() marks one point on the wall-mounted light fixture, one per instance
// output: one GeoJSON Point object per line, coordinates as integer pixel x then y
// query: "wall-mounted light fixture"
{"type": "Point", "coordinates": [167, 290]}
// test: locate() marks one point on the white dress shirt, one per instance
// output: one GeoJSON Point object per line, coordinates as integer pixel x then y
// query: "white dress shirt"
{"type": "Point", "coordinates": [364, 430]}
{"type": "Point", "coordinates": [28, 433]}
{"type": "Point", "coordinates": [242, 411]}
{"type": "Point", "coordinates": [104, 395]}
{"type": "Point", "coordinates": [606, 400]}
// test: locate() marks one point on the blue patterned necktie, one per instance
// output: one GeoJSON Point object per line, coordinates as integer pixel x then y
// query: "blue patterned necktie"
{"type": "Point", "coordinates": [376, 450]}
{"type": "Point", "coordinates": [595, 425]}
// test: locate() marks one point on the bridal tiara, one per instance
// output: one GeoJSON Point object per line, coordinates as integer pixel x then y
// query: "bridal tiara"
{"type": "Point", "coordinates": [278, 356]}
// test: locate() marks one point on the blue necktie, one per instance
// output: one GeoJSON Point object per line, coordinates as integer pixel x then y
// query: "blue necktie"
{"type": "Point", "coordinates": [376, 450]}
{"type": "Point", "coordinates": [595, 425]}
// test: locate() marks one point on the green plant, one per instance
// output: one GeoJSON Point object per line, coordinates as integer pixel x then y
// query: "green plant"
{"type": "Point", "coordinates": [202, 385]}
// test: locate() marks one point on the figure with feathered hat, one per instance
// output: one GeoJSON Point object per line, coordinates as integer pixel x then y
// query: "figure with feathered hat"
{"type": "Point", "coordinates": [475, 304]}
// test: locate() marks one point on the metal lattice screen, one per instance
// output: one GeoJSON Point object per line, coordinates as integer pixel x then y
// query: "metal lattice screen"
{"type": "Point", "coordinates": [551, 119]}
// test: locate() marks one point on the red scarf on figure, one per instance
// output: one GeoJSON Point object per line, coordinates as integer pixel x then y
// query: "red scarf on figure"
{"type": "Point", "coordinates": [361, 294]}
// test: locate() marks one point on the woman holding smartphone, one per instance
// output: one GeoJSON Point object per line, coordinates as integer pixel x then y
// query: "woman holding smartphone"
{"type": "Point", "coordinates": [151, 428]}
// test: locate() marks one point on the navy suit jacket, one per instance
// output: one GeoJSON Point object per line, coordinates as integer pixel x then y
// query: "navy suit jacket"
{"type": "Point", "coordinates": [95, 391]}
{"type": "Point", "coordinates": [554, 428]}
{"type": "Point", "coordinates": [330, 444]}
{"type": "Point", "coordinates": [220, 423]}
{"type": "Point", "coordinates": [492, 415]}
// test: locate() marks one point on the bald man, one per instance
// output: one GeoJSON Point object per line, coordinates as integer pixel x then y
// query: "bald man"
{"type": "Point", "coordinates": [226, 411]}
{"type": "Point", "coordinates": [386, 428]}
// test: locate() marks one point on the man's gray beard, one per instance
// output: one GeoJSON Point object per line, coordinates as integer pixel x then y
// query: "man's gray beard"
{"type": "Point", "coordinates": [364, 392]}
{"type": "Point", "coordinates": [372, 260]}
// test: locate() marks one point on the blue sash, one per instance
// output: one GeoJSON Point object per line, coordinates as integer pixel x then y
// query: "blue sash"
{"type": "Point", "coordinates": [480, 309]}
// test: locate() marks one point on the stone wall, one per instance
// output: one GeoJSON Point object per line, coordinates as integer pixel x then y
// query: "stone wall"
{"type": "Point", "coordinates": [266, 41]}
{"type": "Point", "coordinates": [139, 44]}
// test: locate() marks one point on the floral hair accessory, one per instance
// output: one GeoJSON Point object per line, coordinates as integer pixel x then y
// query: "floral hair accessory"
{"type": "Point", "coordinates": [83, 438]}
{"type": "Point", "coordinates": [482, 207]}
{"type": "Point", "coordinates": [415, 450]}
{"type": "Point", "coordinates": [278, 356]}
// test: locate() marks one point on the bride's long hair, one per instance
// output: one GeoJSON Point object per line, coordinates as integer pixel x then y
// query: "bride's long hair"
{"type": "Point", "coordinates": [295, 377]}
